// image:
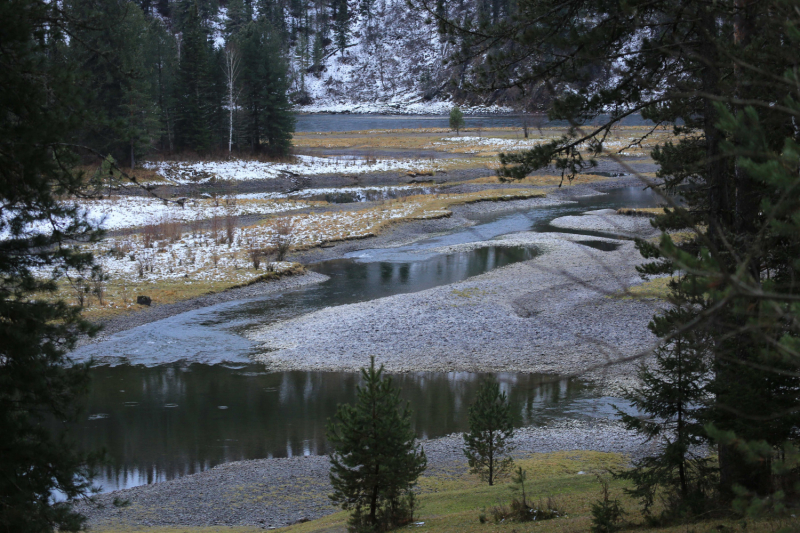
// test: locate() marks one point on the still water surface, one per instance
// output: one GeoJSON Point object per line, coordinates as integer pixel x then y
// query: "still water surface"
{"type": "Point", "coordinates": [174, 420]}
{"type": "Point", "coordinates": [325, 122]}
{"type": "Point", "coordinates": [180, 395]}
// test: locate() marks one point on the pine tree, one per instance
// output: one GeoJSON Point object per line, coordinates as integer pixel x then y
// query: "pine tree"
{"type": "Point", "coordinates": [264, 83]}
{"type": "Point", "coordinates": [199, 87]}
{"type": "Point", "coordinates": [318, 53]}
{"type": "Point", "coordinates": [42, 106]}
{"type": "Point", "coordinates": [341, 23]}
{"type": "Point", "coordinates": [116, 81]}
{"type": "Point", "coordinates": [486, 444]}
{"type": "Point", "coordinates": [375, 461]}
{"type": "Point", "coordinates": [239, 15]}
{"type": "Point", "coordinates": [713, 74]}
{"type": "Point", "coordinates": [672, 395]}
{"type": "Point", "coordinates": [194, 92]}
{"type": "Point", "coordinates": [456, 119]}
{"type": "Point", "coordinates": [161, 55]}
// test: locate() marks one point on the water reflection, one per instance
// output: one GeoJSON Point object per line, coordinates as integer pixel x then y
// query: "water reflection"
{"type": "Point", "coordinates": [169, 421]}
{"type": "Point", "coordinates": [346, 122]}
{"type": "Point", "coordinates": [350, 195]}
{"type": "Point", "coordinates": [213, 334]}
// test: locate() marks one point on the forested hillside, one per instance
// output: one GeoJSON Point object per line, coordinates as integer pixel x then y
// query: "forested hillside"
{"type": "Point", "coordinates": [207, 76]}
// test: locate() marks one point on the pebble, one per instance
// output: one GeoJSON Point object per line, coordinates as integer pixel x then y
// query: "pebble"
{"type": "Point", "coordinates": [271, 493]}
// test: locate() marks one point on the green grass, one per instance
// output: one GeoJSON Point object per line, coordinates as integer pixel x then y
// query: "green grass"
{"type": "Point", "coordinates": [452, 503]}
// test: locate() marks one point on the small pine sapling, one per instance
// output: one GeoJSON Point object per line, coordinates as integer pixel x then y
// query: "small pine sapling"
{"type": "Point", "coordinates": [606, 513]}
{"type": "Point", "coordinates": [375, 460]}
{"type": "Point", "coordinates": [456, 120]}
{"type": "Point", "coordinates": [487, 445]}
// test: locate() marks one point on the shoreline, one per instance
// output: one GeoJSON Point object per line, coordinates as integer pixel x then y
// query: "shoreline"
{"type": "Point", "coordinates": [531, 295]}
{"type": "Point", "coordinates": [271, 493]}
{"type": "Point", "coordinates": [397, 235]}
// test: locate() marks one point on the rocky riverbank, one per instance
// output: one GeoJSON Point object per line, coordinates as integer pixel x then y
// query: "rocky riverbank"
{"type": "Point", "coordinates": [270, 493]}
{"type": "Point", "coordinates": [555, 313]}
{"type": "Point", "coordinates": [552, 314]}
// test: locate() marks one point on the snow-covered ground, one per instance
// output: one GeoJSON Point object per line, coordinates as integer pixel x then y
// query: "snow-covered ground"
{"type": "Point", "coordinates": [488, 142]}
{"type": "Point", "coordinates": [122, 212]}
{"type": "Point", "coordinates": [244, 170]}
{"type": "Point", "coordinates": [204, 254]}
{"type": "Point", "coordinates": [401, 106]}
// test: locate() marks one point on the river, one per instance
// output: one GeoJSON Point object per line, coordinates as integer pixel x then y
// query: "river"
{"type": "Point", "coordinates": [327, 122]}
{"type": "Point", "coordinates": [180, 395]}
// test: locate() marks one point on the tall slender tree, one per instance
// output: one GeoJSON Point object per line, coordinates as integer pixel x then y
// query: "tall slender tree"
{"type": "Point", "coordinates": [194, 92]}
{"type": "Point", "coordinates": [41, 106]}
{"type": "Point", "coordinates": [233, 70]}
{"type": "Point", "coordinates": [269, 122]}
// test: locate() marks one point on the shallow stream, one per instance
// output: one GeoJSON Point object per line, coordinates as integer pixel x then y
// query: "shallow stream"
{"type": "Point", "coordinates": [329, 122]}
{"type": "Point", "coordinates": [180, 395]}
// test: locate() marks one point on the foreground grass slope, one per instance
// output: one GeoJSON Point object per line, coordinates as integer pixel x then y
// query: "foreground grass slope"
{"type": "Point", "coordinates": [452, 502]}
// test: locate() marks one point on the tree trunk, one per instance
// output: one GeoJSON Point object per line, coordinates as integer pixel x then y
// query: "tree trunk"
{"type": "Point", "coordinates": [491, 459]}
{"type": "Point", "coordinates": [373, 502]}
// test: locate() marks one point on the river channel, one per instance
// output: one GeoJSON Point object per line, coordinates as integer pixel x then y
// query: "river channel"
{"type": "Point", "coordinates": [181, 395]}
{"type": "Point", "coordinates": [327, 122]}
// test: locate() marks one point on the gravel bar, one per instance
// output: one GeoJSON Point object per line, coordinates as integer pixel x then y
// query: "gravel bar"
{"type": "Point", "coordinates": [159, 312]}
{"type": "Point", "coordinates": [272, 493]}
{"type": "Point", "coordinates": [552, 314]}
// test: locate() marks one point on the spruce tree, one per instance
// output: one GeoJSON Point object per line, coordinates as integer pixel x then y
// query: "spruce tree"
{"type": "Point", "coordinates": [42, 107]}
{"type": "Point", "coordinates": [239, 15]}
{"type": "Point", "coordinates": [116, 80]}
{"type": "Point", "coordinates": [194, 91]}
{"type": "Point", "coordinates": [341, 23]}
{"type": "Point", "coordinates": [268, 116]}
{"type": "Point", "coordinates": [456, 119]}
{"type": "Point", "coordinates": [670, 401]}
{"type": "Point", "coordinates": [375, 461]}
{"type": "Point", "coordinates": [161, 53]}
{"type": "Point", "coordinates": [713, 74]}
{"type": "Point", "coordinates": [486, 444]}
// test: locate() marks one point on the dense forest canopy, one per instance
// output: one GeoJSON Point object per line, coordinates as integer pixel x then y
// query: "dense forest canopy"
{"type": "Point", "coordinates": [722, 76]}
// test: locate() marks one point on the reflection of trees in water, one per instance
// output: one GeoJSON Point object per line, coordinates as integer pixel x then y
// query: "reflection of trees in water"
{"type": "Point", "coordinates": [267, 415]}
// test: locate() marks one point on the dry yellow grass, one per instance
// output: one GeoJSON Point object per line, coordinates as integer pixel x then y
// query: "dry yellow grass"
{"type": "Point", "coordinates": [641, 211]}
{"type": "Point", "coordinates": [655, 288]}
{"type": "Point", "coordinates": [142, 175]}
{"type": "Point", "coordinates": [183, 529]}
{"type": "Point", "coordinates": [452, 504]}
{"type": "Point", "coordinates": [119, 297]}
{"type": "Point", "coordinates": [431, 139]}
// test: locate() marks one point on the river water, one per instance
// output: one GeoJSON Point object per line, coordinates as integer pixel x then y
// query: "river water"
{"type": "Point", "coordinates": [180, 395]}
{"type": "Point", "coordinates": [325, 122]}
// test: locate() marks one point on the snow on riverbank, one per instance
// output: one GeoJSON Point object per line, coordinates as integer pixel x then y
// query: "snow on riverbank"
{"type": "Point", "coordinates": [223, 251]}
{"type": "Point", "coordinates": [243, 170]}
{"type": "Point", "coordinates": [479, 144]}
{"type": "Point", "coordinates": [121, 212]}
{"type": "Point", "coordinates": [401, 107]}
